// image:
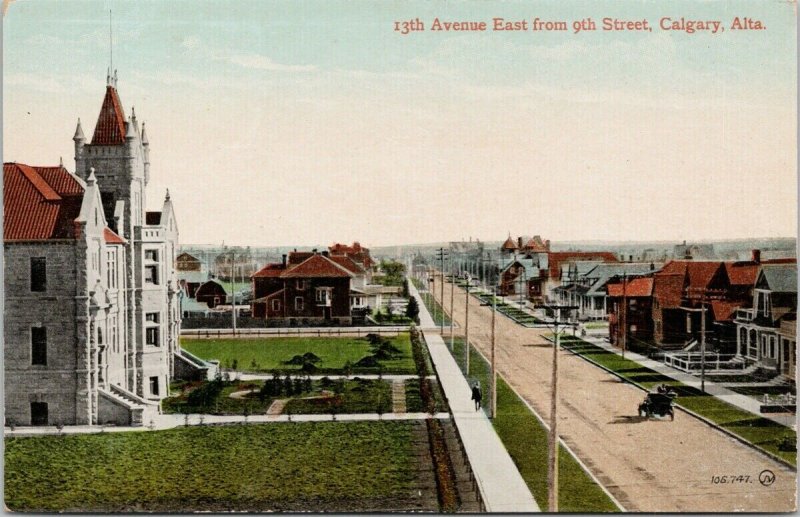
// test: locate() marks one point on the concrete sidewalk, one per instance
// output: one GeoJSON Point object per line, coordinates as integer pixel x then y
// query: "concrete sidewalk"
{"type": "Point", "coordinates": [738, 400]}
{"type": "Point", "coordinates": [173, 421]}
{"type": "Point", "coordinates": [502, 487]}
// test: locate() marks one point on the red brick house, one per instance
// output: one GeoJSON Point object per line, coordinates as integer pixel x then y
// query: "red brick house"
{"type": "Point", "coordinates": [630, 306]}
{"type": "Point", "coordinates": [306, 288]}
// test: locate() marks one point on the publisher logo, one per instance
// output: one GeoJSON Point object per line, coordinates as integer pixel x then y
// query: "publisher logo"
{"type": "Point", "coordinates": [766, 478]}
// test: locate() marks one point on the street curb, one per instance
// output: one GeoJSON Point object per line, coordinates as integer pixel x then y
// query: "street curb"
{"type": "Point", "coordinates": [692, 413]}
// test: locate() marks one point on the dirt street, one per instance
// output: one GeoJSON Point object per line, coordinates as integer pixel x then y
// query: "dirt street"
{"type": "Point", "coordinates": [651, 466]}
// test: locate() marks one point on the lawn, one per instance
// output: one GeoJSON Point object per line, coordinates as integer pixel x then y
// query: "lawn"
{"type": "Point", "coordinates": [414, 402]}
{"type": "Point", "coordinates": [269, 354]}
{"type": "Point", "coordinates": [349, 396]}
{"type": "Point", "coordinates": [525, 438]}
{"type": "Point", "coordinates": [759, 431]}
{"type": "Point", "coordinates": [334, 466]}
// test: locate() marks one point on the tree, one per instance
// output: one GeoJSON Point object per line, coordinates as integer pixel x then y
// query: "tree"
{"type": "Point", "coordinates": [412, 309]}
{"type": "Point", "coordinates": [405, 293]}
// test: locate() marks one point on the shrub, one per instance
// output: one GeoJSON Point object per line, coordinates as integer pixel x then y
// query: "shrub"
{"type": "Point", "coordinates": [412, 309]}
{"type": "Point", "coordinates": [374, 339]}
{"type": "Point", "coordinates": [206, 393]}
{"type": "Point", "coordinates": [369, 361]}
{"type": "Point", "coordinates": [308, 367]}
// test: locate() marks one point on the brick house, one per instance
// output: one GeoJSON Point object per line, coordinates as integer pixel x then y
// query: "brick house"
{"type": "Point", "coordinates": [630, 307]}
{"type": "Point", "coordinates": [305, 288]}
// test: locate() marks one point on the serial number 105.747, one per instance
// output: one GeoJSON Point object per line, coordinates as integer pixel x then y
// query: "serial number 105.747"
{"type": "Point", "coordinates": [721, 480]}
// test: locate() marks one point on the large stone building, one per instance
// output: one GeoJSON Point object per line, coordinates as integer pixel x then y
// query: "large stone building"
{"type": "Point", "coordinates": [92, 317]}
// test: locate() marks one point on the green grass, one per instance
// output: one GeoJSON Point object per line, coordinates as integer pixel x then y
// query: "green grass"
{"type": "Point", "coordinates": [759, 431]}
{"type": "Point", "coordinates": [351, 396]}
{"type": "Point", "coordinates": [268, 354]}
{"type": "Point", "coordinates": [434, 309]}
{"type": "Point", "coordinates": [222, 405]}
{"type": "Point", "coordinates": [525, 438]}
{"type": "Point", "coordinates": [338, 466]}
{"type": "Point", "coordinates": [414, 403]}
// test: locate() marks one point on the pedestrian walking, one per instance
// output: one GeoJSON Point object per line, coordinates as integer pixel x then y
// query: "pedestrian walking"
{"type": "Point", "coordinates": [476, 395]}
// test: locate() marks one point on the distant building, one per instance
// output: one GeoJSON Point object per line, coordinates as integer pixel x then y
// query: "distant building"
{"type": "Point", "coordinates": [187, 262]}
{"type": "Point", "coordinates": [694, 252]}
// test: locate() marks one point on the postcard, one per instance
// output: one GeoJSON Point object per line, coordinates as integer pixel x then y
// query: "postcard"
{"type": "Point", "coordinates": [399, 256]}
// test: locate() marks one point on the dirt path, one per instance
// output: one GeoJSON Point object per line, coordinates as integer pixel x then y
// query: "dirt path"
{"type": "Point", "coordinates": [652, 466]}
{"type": "Point", "coordinates": [398, 396]}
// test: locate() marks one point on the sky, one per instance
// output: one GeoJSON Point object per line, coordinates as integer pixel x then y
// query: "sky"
{"type": "Point", "coordinates": [304, 122]}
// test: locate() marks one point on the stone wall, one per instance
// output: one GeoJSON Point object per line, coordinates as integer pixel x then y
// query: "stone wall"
{"type": "Point", "coordinates": [54, 309]}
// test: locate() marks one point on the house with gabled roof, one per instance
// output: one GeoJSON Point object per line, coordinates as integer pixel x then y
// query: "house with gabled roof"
{"type": "Point", "coordinates": [304, 289]}
{"type": "Point", "coordinates": [766, 333]}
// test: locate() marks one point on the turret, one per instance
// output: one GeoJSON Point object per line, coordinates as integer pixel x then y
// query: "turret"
{"type": "Point", "coordinates": [80, 141]}
{"type": "Point", "coordinates": [146, 148]}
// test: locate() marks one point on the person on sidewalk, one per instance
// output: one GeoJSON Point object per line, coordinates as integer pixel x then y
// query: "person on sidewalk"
{"type": "Point", "coordinates": [476, 395]}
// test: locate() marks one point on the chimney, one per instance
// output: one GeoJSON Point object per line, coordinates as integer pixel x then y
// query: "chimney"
{"type": "Point", "coordinates": [757, 256]}
{"type": "Point", "coordinates": [283, 260]}
{"type": "Point", "coordinates": [519, 242]}
{"type": "Point", "coordinates": [630, 258]}
{"type": "Point", "coordinates": [547, 244]}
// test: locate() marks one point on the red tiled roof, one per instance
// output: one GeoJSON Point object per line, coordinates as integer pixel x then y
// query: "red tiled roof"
{"type": "Point", "coordinates": [345, 249]}
{"type": "Point", "coordinates": [701, 273]}
{"type": "Point", "coordinates": [33, 209]}
{"type": "Point", "coordinates": [535, 244]}
{"type": "Point", "coordinates": [348, 263]}
{"type": "Point", "coordinates": [110, 128]}
{"type": "Point", "coordinates": [509, 244]}
{"type": "Point", "coordinates": [638, 287]}
{"type": "Point", "coordinates": [317, 266]}
{"type": "Point", "coordinates": [298, 257]}
{"type": "Point", "coordinates": [555, 258]}
{"type": "Point", "coordinates": [742, 273]}
{"type": "Point", "coordinates": [60, 180]}
{"type": "Point", "coordinates": [111, 237]}
{"type": "Point", "coordinates": [723, 310]}
{"type": "Point", "coordinates": [270, 271]}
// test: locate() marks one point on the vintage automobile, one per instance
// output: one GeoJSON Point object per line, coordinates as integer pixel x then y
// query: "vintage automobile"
{"type": "Point", "coordinates": [660, 403]}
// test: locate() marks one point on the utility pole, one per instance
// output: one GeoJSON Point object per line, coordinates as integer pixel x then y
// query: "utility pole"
{"type": "Point", "coordinates": [233, 290]}
{"type": "Point", "coordinates": [442, 255]}
{"type": "Point", "coordinates": [493, 406]}
{"type": "Point", "coordinates": [624, 313]}
{"type": "Point", "coordinates": [466, 327]}
{"type": "Point", "coordinates": [703, 342]}
{"type": "Point", "coordinates": [552, 459]}
{"type": "Point", "coordinates": [452, 295]}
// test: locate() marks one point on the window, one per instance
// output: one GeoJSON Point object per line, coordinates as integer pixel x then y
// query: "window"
{"type": "Point", "coordinates": [38, 274]}
{"type": "Point", "coordinates": [152, 317]}
{"type": "Point", "coordinates": [276, 305]}
{"type": "Point", "coordinates": [298, 303]}
{"type": "Point", "coordinates": [324, 296]}
{"type": "Point", "coordinates": [39, 346]}
{"type": "Point", "coordinates": [152, 336]}
{"type": "Point", "coordinates": [151, 255]}
{"type": "Point", "coordinates": [111, 268]}
{"type": "Point", "coordinates": [39, 413]}
{"type": "Point", "coordinates": [300, 285]}
{"type": "Point", "coordinates": [154, 386]}
{"type": "Point", "coordinates": [151, 275]}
